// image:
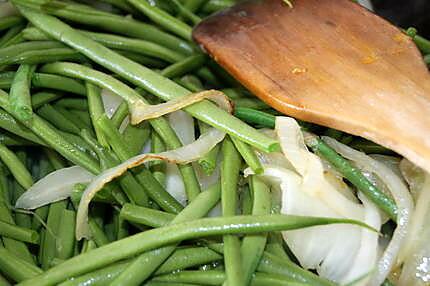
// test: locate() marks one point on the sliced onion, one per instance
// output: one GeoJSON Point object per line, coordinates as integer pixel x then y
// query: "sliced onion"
{"type": "Point", "coordinates": [54, 187]}
{"type": "Point", "coordinates": [401, 196]}
{"type": "Point", "coordinates": [183, 125]}
{"type": "Point", "coordinates": [183, 155]}
{"type": "Point", "coordinates": [174, 184]}
{"type": "Point", "coordinates": [416, 270]}
{"type": "Point", "coordinates": [111, 101]}
{"type": "Point", "coordinates": [414, 176]}
{"type": "Point", "coordinates": [141, 111]}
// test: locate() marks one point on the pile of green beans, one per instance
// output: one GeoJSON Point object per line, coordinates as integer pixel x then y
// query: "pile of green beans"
{"type": "Point", "coordinates": [57, 59]}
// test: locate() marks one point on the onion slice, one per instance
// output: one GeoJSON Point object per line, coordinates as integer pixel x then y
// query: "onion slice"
{"type": "Point", "coordinates": [401, 196]}
{"type": "Point", "coordinates": [182, 155]}
{"type": "Point", "coordinates": [54, 187]}
{"type": "Point", "coordinates": [142, 111]}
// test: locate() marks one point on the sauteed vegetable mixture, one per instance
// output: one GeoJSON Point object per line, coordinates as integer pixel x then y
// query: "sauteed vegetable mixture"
{"type": "Point", "coordinates": [128, 157]}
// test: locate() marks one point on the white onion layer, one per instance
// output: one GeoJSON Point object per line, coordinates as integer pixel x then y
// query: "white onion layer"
{"type": "Point", "coordinates": [401, 196]}
{"type": "Point", "coordinates": [183, 155]}
{"type": "Point", "coordinates": [54, 187]}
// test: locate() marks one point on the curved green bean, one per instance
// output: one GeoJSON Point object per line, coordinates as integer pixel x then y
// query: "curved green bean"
{"type": "Point", "coordinates": [16, 167]}
{"type": "Point", "coordinates": [248, 156]}
{"type": "Point", "coordinates": [19, 96]}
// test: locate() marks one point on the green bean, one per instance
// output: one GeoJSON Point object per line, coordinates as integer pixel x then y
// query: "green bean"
{"type": "Point", "coordinates": [158, 168]}
{"type": "Point", "coordinates": [88, 245]}
{"type": "Point", "coordinates": [143, 266]}
{"type": "Point", "coordinates": [17, 269]}
{"type": "Point", "coordinates": [55, 140]}
{"type": "Point", "coordinates": [207, 75]}
{"type": "Point", "coordinates": [163, 19]}
{"type": "Point", "coordinates": [215, 277]}
{"type": "Point", "coordinates": [255, 117]}
{"type": "Point", "coordinates": [9, 36]}
{"type": "Point", "coordinates": [121, 4]}
{"type": "Point", "coordinates": [74, 103]}
{"type": "Point", "coordinates": [16, 50]}
{"type": "Point", "coordinates": [191, 83]}
{"type": "Point", "coordinates": [96, 109]}
{"type": "Point", "coordinates": [44, 56]}
{"type": "Point", "coordinates": [49, 113]}
{"type": "Point", "coordinates": [230, 168]}
{"type": "Point", "coordinates": [18, 233]}
{"type": "Point", "coordinates": [22, 219]}
{"type": "Point", "coordinates": [367, 146]}
{"type": "Point", "coordinates": [184, 66]}
{"type": "Point", "coordinates": [83, 115]}
{"type": "Point", "coordinates": [53, 223]}
{"type": "Point", "coordinates": [252, 247]}
{"type": "Point", "coordinates": [233, 93]}
{"type": "Point", "coordinates": [40, 98]}
{"type": "Point", "coordinates": [422, 43]}
{"type": "Point", "coordinates": [272, 264]}
{"type": "Point", "coordinates": [9, 139]}
{"type": "Point", "coordinates": [79, 121]}
{"type": "Point", "coordinates": [10, 21]}
{"type": "Point", "coordinates": [16, 167]}
{"type": "Point", "coordinates": [136, 136]}
{"type": "Point", "coordinates": [248, 156]}
{"type": "Point", "coordinates": [120, 114]}
{"type": "Point", "coordinates": [148, 79]}
{"type": "Point", "coordinates": [186, 13]}
{"type": "Point", "coordinates": [184, 258]}
{"type": "Point", "coordinates": [66, 235]}
{"type": "Point", "coordinates": [145, 216]}
{"type": "Point", "coordinates": [250, 103]}
{"type": "Point", "coordinates": [142, 59]}
{"type": "Point", "coordinates": [9, 123]}
{"type": "Point", "coordinates": [209, 161]}
{"type": "Point", "coordinates": [355, 176]}
{"type": "Point", "coordinates": [19, 96]}
{"type": "Point", "coordinates": [154, 238]}
{"type": "Point", "coordinates": [109, 22]}
{"type": "Point", "coordinates": [216, 5]}
{"type": "Point", "coordinates": [45, 168]}
{"type": "Point", "coordinates": [97, 233]}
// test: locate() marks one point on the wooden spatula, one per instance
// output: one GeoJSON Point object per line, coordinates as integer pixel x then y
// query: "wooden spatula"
{"type": "Point", "coordinates": [330, 62]}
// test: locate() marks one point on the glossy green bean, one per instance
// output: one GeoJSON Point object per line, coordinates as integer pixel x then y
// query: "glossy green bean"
{"type": "Point", "coordinates": [17, 269]}
{"type": "Point", "coordinates": [109, 22]}
{"type": "Point", "coordinates": [209, 161]}
{"type": "Point", "coordinates": [40, 98]}
{"type": "Point", "coordinates": [184, 66]}
{"type": "Point", "coordinates": [65, 242]}
{"type": "Point", "coordinates": [215, 277]}
{"type": "Point", "coordinates": [45, 56]}
{"type": "Point", "coordinates": [248, 155]}
{"type": "Point", "coordinates": [18, 233]}
{"type": "Point", "coordinates": [96, 109]}
{"type": "Point", "coordinates": [230, 168]}
{"type": "Point", "coordinates": [136, 137]}
{"type": "Point", "coordinates": [16, 50]}
{"type": "Point", "coordinates": [73, 103]}
{"type": "Point", "coordinates": [163, 19]}
{"type": "Point", "coordinates": [16, 167]}
{"type": "Point", "coordinates": [10, 35]}
{"type": "Point", "coordinates": [355, 176]}
{"type": "Point", "coordinates": [186, 10]}
{"type": "Point", "coordinates": [53, 223]}
{"type": "Point", "coordinates": [9, 139]}
{"type": "Point", "coordinates": [148, 79]}
{"type": "Point", "coordinates": [255, 117]}
{"type": "Point", "coordinates": [252, 247]}
{"type": "Point", "coordinates": [56, 118]}
{"type": "Point", "coordinates": [19, 95]}
{"type": "Point", "coordinates": [120, 114]}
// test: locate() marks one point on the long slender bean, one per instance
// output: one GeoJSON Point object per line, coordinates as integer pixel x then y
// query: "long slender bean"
{"type": "Point", "coordinates": [148, 79]}
{"type": "Point", "coordinates": [56, 118]}
{"type": "Point", "coordinates": [248, 156]}
{"type": "Point", "coordinates": [40, 98]}
{"type": "Point", "coordinates": [10, 35]}
{"type": "Point", "coordinates": [66, 235]}
{"type": "Point", "coordinates": [252, 247]}
{"type": "Point", "coordinates": [96, 109]}
{"type": "Point", "coordinates": [355, 176]}
{"type": "Point", "coordinates": [230, 168]}
{"type": "Point", "coordinates": [163, 19]}
{"type": "Point", "coordinates": [16, 167]}
{"type": "Point", "coordinates": [209, 161]}
{"type": "Point", "coordinates": [18, 233]}
{"type": "Point", "coordinates": [184, 66]}
{"type": "Point", "coordinates": [17, 269]}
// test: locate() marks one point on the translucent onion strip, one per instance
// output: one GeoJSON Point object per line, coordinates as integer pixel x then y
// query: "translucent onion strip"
{"type": "Point", "coordinates": [183, 155]}
{"type": "Point", "coordinates": [401, 196]}
{"type": "Point", "coordinates": [145, 112]}
{"type": "Point", "coordinates": [54, 187]}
